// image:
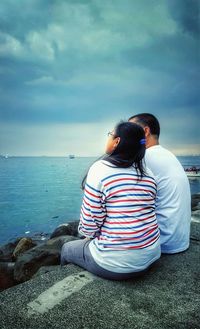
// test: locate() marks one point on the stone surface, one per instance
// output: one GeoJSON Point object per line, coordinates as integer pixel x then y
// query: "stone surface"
{"type": "Point", "coordinates": [196, 213]}
{"type": "Point", "coordinates": [70, 228]}
{"type": "Point", "coordinates": [195, 232]}
{"type": "Point", "coordinates": [167, 297]}
{"type": "Point", "coordinates": [195, 203]}
{"type": "Point", "coordinates": [6, 251]}
{"type": "Point", "coordinates": [23, 245]}
{"type": "Point", "coordinates": [6, 275]}
{"type": "Point", "coordinates": [46, 254]}
{"type": "Point", "coordinates": [45, 269]}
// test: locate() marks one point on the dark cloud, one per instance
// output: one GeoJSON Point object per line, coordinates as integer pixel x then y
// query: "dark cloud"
{"type": "Point", "coordinates": [19, 17]}
{"type": "Point", "coordinates": [186, 13]}
{"type": "Point", "coordinates": [87, 61]}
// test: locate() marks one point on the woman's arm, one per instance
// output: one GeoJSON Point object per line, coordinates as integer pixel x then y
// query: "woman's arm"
{"type": "Point", "coordinates": [93, 211]}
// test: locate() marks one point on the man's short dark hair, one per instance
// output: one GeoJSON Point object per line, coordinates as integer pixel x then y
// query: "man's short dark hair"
{"type": "Point", "coordinates": [147, 119]}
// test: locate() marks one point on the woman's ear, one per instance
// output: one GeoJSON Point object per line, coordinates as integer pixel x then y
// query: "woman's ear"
{"type": "Point", "coordinates": [117, 141]}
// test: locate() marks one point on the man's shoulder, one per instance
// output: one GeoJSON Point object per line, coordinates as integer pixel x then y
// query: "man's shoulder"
{"type": "Point", "coordinates": [159, 152]}
{"type": "Point", "coordinates": [156, 149]}
{"type": "Point", "coordinates": [162, 161]}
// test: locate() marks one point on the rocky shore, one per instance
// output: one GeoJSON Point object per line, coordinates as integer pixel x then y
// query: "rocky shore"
{"type": "Point", "coordinates": [22, 259]}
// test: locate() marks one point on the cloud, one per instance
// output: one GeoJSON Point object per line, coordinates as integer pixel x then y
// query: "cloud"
{"type": "Point", "coordinates": [186, 14]}
{"type": "Point", "coordinates": [44, 80]}
{"type": "Point", "coordinates": [10, 46]}
{"type": "Point", "coordinates": [39, 46]}
{"type": "Point", "coordinates": [82, 62]}
{"type": "Point", "coordinates": [19, 17]}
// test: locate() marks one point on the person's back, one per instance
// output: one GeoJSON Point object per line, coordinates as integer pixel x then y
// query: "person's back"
{"type": "Point", "coordinates": [118, 211]}
{"type": "Point", "coordinates": [129, 235]}
{"type": "Point", "coordinates": [173, 203]}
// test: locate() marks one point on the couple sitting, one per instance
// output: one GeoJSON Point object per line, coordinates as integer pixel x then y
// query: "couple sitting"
{"type": "Point", "coordinates": [131, 212]}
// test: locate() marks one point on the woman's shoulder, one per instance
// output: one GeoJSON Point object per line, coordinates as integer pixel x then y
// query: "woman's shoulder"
{"type": "Point", "coordinates": [96, 164]}
{"type": "Point", "coordinates": [101, 166]}
{"type": "Point", "coordinates": [97, 173]}
{"type": "Point", "coordinates": [97, 169]}
{"type": "Point", "coordinates": [149, 175]}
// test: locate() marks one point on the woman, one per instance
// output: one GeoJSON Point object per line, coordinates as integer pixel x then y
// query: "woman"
{"type": "Point", "coordinates": [118, 211]}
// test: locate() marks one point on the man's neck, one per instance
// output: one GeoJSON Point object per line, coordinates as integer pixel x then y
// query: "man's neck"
{"type": "Point", "coordinates": [151, 141]}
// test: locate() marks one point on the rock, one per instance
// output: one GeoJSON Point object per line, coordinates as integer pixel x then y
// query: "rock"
{"type": "Point", "coordinates": [39, 238]}
{"type": "Point", "coordinates": [197, 207]}
{"type": "Point", "coordinates": [6, 251]}
{"type": "Point", "coordinates": [23, 245]}
{"type": "Point", "coordinates": [196, 213]}
{"type": "Point", "coordinates": [46, 254]}
{"type": "Point", "coordinates": [195, 203]}
{"type": "Point", "coordinates": [70, 228]}
{"type": "Point", "coordinates": [45, 269]}
{"type": "Point", "coordinates": [6, 275]}
{"type": "Point", "coordinates": [195, 232]}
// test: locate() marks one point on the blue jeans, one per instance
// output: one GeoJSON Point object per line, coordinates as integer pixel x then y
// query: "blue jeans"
{"type": "Point", "coordinates": [78, 252]}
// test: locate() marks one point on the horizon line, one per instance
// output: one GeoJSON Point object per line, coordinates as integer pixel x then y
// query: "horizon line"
{"type": "Point", "coordinates": [68, 156]}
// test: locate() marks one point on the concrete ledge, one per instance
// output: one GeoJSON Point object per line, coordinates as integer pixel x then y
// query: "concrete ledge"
{"type": "Point", "coordinates": [166, 297]}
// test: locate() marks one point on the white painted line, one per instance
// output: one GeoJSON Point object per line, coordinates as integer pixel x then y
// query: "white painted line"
{"type": "Point", "coordinates": [58, 292]}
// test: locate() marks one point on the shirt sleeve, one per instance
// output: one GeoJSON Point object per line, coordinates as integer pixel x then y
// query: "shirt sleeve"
{"type": "Point", "coordinates": [93, 211]}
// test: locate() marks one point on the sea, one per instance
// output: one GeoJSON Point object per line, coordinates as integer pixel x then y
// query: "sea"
{"type": "Point", "coordinates": [37, 194]}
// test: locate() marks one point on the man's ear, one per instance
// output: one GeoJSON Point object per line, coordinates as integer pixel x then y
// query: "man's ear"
{"type": "Point", "coordinates": [147, 131]}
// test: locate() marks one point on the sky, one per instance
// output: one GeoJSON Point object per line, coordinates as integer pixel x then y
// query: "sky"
{"type": "Point", "coordinates": [71, 69]}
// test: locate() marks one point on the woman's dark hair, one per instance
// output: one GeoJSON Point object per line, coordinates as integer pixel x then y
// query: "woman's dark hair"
{"type": "Point", "coordinates": [131, 149]}
{"type": "Point", "coordinates": [148, 119]}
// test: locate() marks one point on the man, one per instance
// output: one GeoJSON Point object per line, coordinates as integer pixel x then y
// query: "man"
{"type": "Point", "coordinates": [173, 205]}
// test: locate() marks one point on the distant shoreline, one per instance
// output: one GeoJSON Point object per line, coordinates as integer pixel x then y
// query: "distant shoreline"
{"type": "Point", "coordinates": [76, 156]}
{"type": "Point", "coordinates": [47, 156]}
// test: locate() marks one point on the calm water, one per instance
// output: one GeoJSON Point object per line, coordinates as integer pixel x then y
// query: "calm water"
{"type": "Point", "coordinates": [37, 194]}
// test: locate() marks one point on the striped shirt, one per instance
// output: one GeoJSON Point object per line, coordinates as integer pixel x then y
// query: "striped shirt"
{"type": "Point", "coordinates": [118, 209]}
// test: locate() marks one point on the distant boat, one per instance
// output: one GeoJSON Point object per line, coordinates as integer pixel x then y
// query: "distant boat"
{"type": "Point", "coordinates": [4, 156]}
{"type": "Point", "coordinates": [71, 156]}
{"type": "Point", "coordinates": [192, 171]}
